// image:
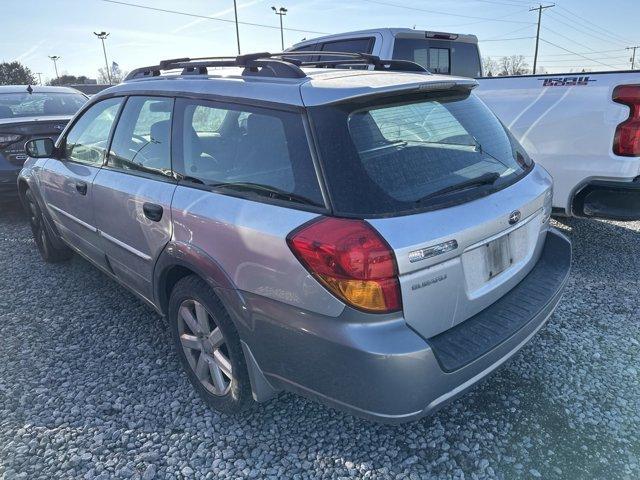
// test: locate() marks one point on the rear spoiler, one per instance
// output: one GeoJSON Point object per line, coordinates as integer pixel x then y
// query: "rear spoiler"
{"type": "Point", "coordinates": [459, 84]}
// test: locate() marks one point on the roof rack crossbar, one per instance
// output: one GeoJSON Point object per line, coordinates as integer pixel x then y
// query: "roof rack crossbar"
{"type": "Point", "coordinates": [281, 65]}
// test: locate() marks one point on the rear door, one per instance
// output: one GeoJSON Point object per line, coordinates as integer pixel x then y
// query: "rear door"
{"type": "Point", "coordinates": [133, 192]}
{"type": "Point", "coordinates": [68, 181]}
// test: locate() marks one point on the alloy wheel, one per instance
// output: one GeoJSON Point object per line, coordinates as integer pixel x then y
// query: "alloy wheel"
{"type": "Point", "coordinates": [204, 347]}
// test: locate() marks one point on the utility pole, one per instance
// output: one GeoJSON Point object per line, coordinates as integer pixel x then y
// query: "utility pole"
{"type": "Point", "coordinates": [540, 8]}
{"type": "Point", "coordinates": [235, 11]}
{"type": "Point", "coordinates": [55, 59]}
{"type": "Point", "coordinates": [281, 12]}
{"type": "Point", "coordinates": [102, 36]}
{"type": "Point", "coordinates": [633, 56]}
{"type": "Point", "coordinates": [39, 77]}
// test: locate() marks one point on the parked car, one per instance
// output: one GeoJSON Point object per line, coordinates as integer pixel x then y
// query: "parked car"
{"type": "Point", "coordinates": [28, 112]}
{"type": "Point", "coordinates": [583, 128]}
{"type": "Point", "coordinates": [375, 240]}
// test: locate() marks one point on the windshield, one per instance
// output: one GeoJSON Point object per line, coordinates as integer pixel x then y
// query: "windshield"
{"type": "Point", "coordinates": [15, 105]}
{"type": "Point", "coordinates": [421, 153]}
{"type": "Point", "coordinates": [447, 57]}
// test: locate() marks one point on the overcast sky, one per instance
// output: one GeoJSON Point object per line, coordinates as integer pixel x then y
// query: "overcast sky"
{"type": "Point", "coordinates": [34, 29]}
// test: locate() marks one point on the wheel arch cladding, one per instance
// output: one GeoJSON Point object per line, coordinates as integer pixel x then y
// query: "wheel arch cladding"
{"type": "Point", "coordinates": [179, 260]}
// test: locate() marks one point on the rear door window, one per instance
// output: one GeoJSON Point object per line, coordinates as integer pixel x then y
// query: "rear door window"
{"type": "Point", "coordinates": [249, 150]}
{"type": "Point", "coordinates": [141, 142]}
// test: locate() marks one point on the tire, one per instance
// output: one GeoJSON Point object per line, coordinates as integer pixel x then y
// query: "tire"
{"type": "Point", "coordinates": [49, 252]}
{"type": "Point", "coordinates": [213, 358]}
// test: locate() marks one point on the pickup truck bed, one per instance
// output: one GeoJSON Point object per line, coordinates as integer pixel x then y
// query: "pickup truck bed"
{"type": "Point", "coordinates": [567, 123]}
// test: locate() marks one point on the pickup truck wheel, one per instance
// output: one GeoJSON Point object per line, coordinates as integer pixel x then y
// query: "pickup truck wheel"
{"type": "Point", "coordinates": [41, 235]}
{"type": "Point", "coordinates": [208, 346]}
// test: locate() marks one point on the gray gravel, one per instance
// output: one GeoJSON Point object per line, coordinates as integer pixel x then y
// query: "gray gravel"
{"type": "Point", "coordinates": [90, 388]}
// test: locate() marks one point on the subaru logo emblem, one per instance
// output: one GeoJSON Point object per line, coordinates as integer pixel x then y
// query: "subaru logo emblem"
{"type": "Point", "coordinates": [514, 217]}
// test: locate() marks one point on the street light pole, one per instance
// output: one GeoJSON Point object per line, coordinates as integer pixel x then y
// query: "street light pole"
{"type": "Point", "coordinates": [235, 12]}
{"type": "Point", "coordinates": [39, 77]}
{"type": "Point", "coordinates": [55, 59]}
{"type": "Point", "coordinates": [102, 36]}
{"type": "Point", "coordinates": [281, 12]}
{"type": "Point", "coordinates": [540, 8]}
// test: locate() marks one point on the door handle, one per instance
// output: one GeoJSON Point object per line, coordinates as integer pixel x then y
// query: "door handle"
{"type": "Point", "coordinates": [81, 187]}
{"type": "Point", "coordinates": [152, 211]}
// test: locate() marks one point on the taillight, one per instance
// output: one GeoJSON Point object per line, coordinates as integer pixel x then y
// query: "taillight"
{"type": "Point", "coordinates": [626, 141]}
{"type": "Point", "coordinates": [352, 260]}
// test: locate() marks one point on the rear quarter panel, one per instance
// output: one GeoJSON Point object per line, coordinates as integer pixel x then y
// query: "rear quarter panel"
{"type": "Point", "coordinates": [248, 240]}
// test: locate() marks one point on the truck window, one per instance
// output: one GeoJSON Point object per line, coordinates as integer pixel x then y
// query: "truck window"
{"type": "Point", "coordinates": [439, 61]}
{"type": "Point", "coordinates": [306, 48]}
{"type": "Point", "coordinates": [352, 45]}
{"type": "Point", "coordinates": [440, 56]}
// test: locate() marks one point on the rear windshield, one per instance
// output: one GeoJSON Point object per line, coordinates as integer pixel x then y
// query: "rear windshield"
{"type": "Point", "coordinates": [15, 105]}
{"type": "Point", "coordinates": [446, 57]}
{"type": "Point", "coordinates": [393, 156]}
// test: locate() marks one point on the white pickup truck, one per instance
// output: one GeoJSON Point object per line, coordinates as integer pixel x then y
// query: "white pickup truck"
{"type": "Point", "coordinates": [583, 128]}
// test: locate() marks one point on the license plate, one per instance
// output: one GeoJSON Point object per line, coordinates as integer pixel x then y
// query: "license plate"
{"type": "Point", "coordinates": [498, 256]}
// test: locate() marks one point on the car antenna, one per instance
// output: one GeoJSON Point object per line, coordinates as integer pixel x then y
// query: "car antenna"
{"type": "Point", "coordinates": [29, 89]}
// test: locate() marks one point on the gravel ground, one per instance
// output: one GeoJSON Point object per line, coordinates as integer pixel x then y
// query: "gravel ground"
{"type": "Point", "coordinates": [90, 388]}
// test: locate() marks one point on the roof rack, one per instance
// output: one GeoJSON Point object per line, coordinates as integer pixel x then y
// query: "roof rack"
{"type": "Point", "coordinates": [352, 59]}
{"type": "Point", "coordinates": [281, 65]}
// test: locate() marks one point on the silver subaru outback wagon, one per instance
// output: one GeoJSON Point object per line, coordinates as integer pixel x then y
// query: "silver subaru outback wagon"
{"type": "Point", "coordinates": [371, 238]}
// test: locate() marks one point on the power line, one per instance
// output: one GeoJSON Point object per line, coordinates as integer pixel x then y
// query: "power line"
{"type": "Point", "coordinates": [506, 39]}
{"type": "Point", "coordinates": [508, 33]}
{"type": "Point", "coordinates": [575, 53]}
{"type": "Point", "coordinates": [406, 7]}
{"type": "Point", "coordinates": [605, 31]}
{"type": "Point", "coordinates": [547, 29]}
{"type": "Point", "coordinates": [482, 21]}
{"type": "Point", "coordinates": [500, 3]}
{"type": "Point", "coordinates": [581, 53]}
{"type": "Point", "coordinates": [193, 15]}
{"type": "Point", "coordinates": [587, 33]}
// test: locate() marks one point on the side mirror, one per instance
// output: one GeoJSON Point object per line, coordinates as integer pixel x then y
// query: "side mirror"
{"type": "Point", "coordinates": [40, 148]}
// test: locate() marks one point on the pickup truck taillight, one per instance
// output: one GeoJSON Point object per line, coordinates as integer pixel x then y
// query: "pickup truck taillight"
{"type": "Point", "coordinates": [352, 260]}
{"type": "Point", "coordinates": [626, 141]}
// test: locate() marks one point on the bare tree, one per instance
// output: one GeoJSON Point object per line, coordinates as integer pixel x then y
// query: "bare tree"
{"type": "Point", "coordinates": [117, 75]}
{"type": "Point", "coordinates": [489, 67]}
{"type": "Point", "coordinates": [513, 65]}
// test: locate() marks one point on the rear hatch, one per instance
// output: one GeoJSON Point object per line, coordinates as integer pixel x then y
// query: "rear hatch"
{"type": "Point", "coordinates": [450, 190]}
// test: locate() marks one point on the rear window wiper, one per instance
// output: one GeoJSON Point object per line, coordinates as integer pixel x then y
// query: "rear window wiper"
{"type": "Point", "coordinates": [488, 178]}
{"type": "Point", "coordinates": [264, 190]}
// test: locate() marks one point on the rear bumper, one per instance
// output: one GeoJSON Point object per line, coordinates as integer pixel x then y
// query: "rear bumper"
{"type": "Point", "coordinates": [383, 370]}
{"type": "Point", "coordinates": [608, 199]}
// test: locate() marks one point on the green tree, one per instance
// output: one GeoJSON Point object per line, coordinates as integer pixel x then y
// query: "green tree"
{"type": "Point", "coordinates": [14, 73]}
{"type": "Point", "coordinates": [68, 80]}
